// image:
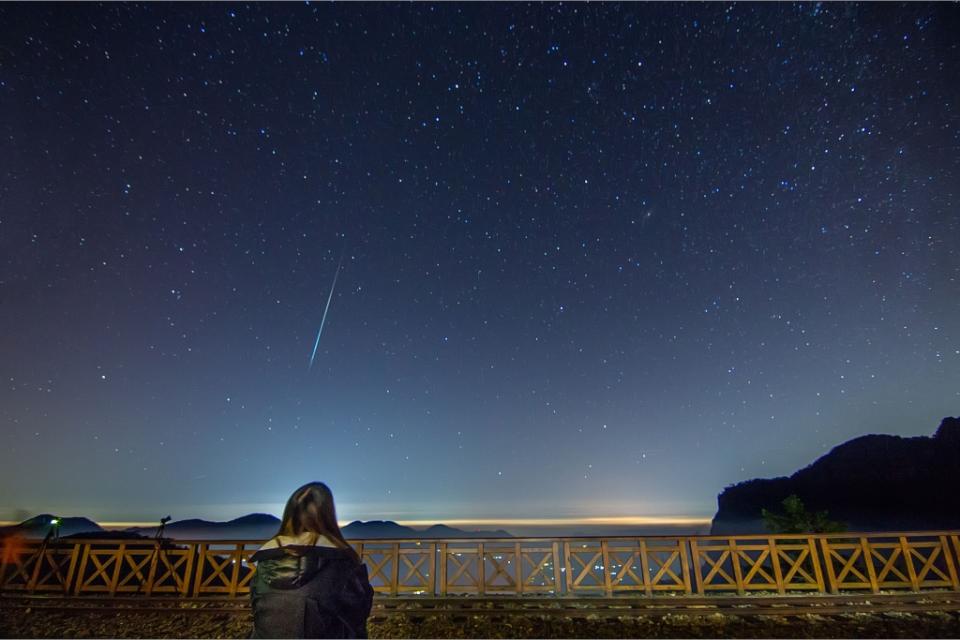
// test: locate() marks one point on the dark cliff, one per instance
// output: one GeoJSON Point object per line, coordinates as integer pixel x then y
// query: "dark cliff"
{"type": "Point", "coordinates": [874, 482]}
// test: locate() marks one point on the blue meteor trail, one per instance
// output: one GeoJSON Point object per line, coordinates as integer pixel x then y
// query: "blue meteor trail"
{"type": "Point", "coordinates": [325, 310]}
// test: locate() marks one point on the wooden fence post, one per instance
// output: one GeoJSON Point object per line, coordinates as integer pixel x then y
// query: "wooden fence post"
{"type": "Point", "coordinates": [35, 574]}
{"type": "Point", "coordinates": [443, 568]}
{"type": "Point", "coordinates": [737, 571]}
{"type": "Point", "coordinates": [695, 558]}
{"type": "Point", "coordinates": [566, 563]}
{"type": "Point", "coordinates": [187, 571]}
{"type": "Point", "coordinates": [519, 568]}
{"type": "Point", "coordinates": [828, 563]}
{"type": "Point", "coordinates": [82, 571]}
{"type": "Point", "coordinates": [152, 571]}
{"type": "Point", "coordinates": [481, 570]}
{"type": "Point", "coordinates": [645, 567]}
{"type": "Point", "coordinates": [685, 566]}
{"type": "Point", "coordinates": [867, 556]}
{"type": "Point", "coordinates": [948, 560]}
{"type": "Point", "coordinates": [236, 557]}
{"type": "Point", "coordinates": [605, 555]}
{"type": "Point", "coordinates": [395, 570]}
{"type": "Point", "coordinates": [74, 556]}
{"type": "Point", "coordinates": [908, 560]}
{"type": "Point", "coordinates": [557, 583]}
{"type": "Point", "coordinates": [815, 561]}
{"type": "Point", "coordinates": [777, 570]}
{"type": "Point", "coordinates": [201, 560]}
{"type": "Point", "coordinates": [118, 562]}
{"type": "Point", "coordinates": [432, 582]}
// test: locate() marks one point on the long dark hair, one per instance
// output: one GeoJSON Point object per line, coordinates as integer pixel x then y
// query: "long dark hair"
{"type": "Point", "coordinates": [311, 510]}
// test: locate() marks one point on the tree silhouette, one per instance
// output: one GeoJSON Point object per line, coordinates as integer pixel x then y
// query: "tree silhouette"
{"type": "Point", "coordinates": [796, 519]}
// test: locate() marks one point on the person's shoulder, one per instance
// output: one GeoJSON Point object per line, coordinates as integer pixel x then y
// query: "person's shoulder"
{"type": "Point", "coordinates": [269, 544]}
{"type": "Point", "coordinates": [302, 540]}
{"type": "Point", "coordinates": [324, 541]}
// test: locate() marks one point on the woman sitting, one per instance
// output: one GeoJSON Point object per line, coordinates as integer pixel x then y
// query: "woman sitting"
{"type": "Point", "coordinates": [310, 583]}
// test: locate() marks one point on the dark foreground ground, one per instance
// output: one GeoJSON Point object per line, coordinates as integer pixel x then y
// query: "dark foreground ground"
{"type": "Point", "coordinates": [70, 624]}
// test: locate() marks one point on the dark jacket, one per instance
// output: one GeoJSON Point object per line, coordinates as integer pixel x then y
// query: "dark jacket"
{"type": "Point", "coordinates": [309, 592]}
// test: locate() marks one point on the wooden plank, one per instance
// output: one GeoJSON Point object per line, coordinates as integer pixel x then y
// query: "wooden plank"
{"type": "Point", "coordinates": [867, 556]}
{"type": "Point", "coordinates": [537, 569]}
{"type": "Point", "coordinates": [48, 560]}
{"type": "Point", "coordinates": [395, 570]}
{"type": "Point", "coordinates": [152, 571]}
{"type": "Point", "coordinates": [6, 560]}
{"type": "Point", "coordinates": [45, 558]}
{"type": "Point", "coordinates": [948, 560]}
{"type": "Point", "coordinates": [777, 570]}
{"type": "Point", "coordinates": [566, 566]}
{"type": "Point", "coordinates": [481, 570]}
{"type": "Point", "coordinates": [432, 581]}
{"type": "Point", "coordinates": [558, 584]}
{"type": "Point", "coordinates": [908, 560]}
{"type": "Point", "coordinates": [684, 566]}
{"type": "Point", "coordinates": [163, 566]}
{"type": "Point", "coordinates": [737, 571]}
{"type": "Point", "coordinates": [201, 561]}
{"type": "Point", "coordinates": [929, 566]}
{"type": "Point", "coordinates": [605, 555]}
{"type": "Point", "coordinates": [816, 562]}
{"type": "Point", "coordinates": [139, 569]}
{"type": "Point", "coordinates": [645, 567]}
{"type": "Point", "coordinates": [187, 572]}
{"type": "Point", "coordinates": [117, 564]}
{"type": "Point", "coordinates": [828, 562]}
{"type": "Point", "coordinates": [695, 554]}
{"type": "Point", "coordinates": [34, 575]}
{"type": "Point", "coordinates": [519, 568]}
{"type": "Point", "coordinates": [955, 538]}
{"type": "Point", "coordinates": [443, 568]}
{"type": "Point", "coordinates": [83, 566]}
{"type": "Point", "coordinates": [235, 558]}
{"type": "Point", "coordinates": [71, 572]}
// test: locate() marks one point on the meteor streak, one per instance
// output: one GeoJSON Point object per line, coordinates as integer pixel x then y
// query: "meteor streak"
{"type": "Point", "coordinates": [325, 310]}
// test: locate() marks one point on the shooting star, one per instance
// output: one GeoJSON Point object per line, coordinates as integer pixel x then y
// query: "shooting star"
{"type": "Point", "coordinates": [325, 310]}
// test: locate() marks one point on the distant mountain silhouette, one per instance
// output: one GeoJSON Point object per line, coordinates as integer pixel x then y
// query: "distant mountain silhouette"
{"type": "Point", "coordinates": [874, 482]}
{"type": "Point", "coordinates": [377, 529]}
{"type": "Point", "coordinates": [255, 526]}
{"type": "Point", "coordinates": [39, 526]}
{"type": "Point", "coordinates": [389, 529]}
{"type": "Point", "coordinates": [106, 535]}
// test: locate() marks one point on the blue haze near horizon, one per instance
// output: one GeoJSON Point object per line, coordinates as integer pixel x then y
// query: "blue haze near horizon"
{"type": "Point", "coordinates": [599, 260]}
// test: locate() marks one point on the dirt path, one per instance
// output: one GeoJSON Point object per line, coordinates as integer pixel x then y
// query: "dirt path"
{"type": "Point", "coordinates": [86, 624]}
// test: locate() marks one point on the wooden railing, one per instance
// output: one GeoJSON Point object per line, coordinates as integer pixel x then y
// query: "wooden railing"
{"type": "Point", "coordinates": [691, 565]}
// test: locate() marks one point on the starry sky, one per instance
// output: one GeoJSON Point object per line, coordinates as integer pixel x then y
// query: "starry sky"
{"type": "Point", "coordinates": [597, 259]}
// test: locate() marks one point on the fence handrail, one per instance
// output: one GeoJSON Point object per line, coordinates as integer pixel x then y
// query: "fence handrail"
{"type": "Point", "coordinates": [547, 566]}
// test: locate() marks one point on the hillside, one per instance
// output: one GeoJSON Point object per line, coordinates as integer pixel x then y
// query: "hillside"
{"type": "Point", "coordinates": [874, 482]}
{"type": "Point", "coordinates": [39, 526]}
{"type": "Point", "coordinates": [255, 526]}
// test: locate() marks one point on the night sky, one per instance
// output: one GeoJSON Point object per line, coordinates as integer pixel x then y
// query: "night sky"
{"type": "Point", "coordinates": [597, 260]}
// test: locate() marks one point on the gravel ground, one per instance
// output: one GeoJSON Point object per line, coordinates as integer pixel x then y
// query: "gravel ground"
{"type": "Point", "coordinates": [86, 624]}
